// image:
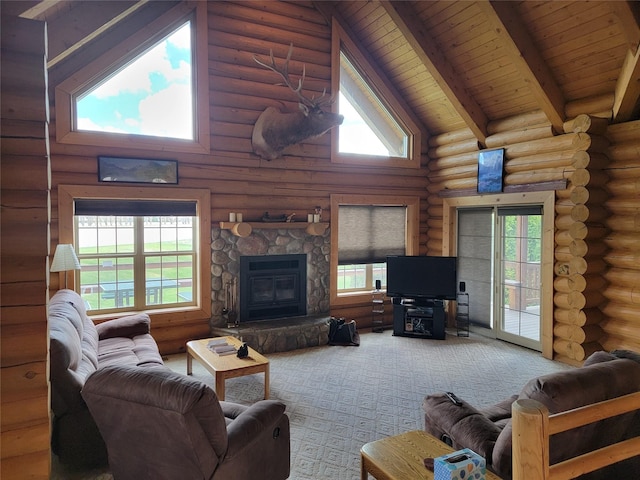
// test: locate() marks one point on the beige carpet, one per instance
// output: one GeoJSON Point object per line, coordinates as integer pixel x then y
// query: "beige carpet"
{"type": "Point", "coordinates": [339, 398]}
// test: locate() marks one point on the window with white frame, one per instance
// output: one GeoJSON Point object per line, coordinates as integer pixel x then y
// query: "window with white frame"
{"type": "Point", "coordinates": [136, 255]}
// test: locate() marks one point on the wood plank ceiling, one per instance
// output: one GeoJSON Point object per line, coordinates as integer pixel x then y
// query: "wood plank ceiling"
{"type": "Point", "coordinates": [459, 65]}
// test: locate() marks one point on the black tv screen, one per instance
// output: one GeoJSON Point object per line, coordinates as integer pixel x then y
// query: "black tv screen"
{"type": "Point", "coordinates": [422, 277]}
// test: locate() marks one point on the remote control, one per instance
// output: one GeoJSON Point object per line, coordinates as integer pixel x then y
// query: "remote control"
{"type": "Point", "coordinates": [454, 399]}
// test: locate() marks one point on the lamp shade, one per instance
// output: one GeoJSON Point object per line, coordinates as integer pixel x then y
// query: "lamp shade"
{"type": "Point", "coordinates": [65, 259]}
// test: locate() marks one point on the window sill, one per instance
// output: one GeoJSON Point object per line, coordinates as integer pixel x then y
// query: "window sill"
{"type": "Point", "coordinates": [192, 312]}
{"type": "Point", "coordinates": [353, 298]}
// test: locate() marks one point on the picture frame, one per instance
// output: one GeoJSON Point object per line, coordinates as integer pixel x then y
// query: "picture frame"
{"type": "Point", "coordinates": [490, 171]}
{"type": "Point", "coordinates": [137, 170]}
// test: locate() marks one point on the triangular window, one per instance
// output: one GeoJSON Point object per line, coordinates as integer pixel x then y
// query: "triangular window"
{"type": "Point", "coordinates": [144, 91]}
{"type": "Point", "coordinates": [377, 129]}
{"type": "Point", "coordinates": [368, 127]}
{"type": "Point", "coordinates": [151, 95]}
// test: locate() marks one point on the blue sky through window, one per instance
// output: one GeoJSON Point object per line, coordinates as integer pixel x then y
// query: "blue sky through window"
{"type": "Point", "coordinates": [152, 95]}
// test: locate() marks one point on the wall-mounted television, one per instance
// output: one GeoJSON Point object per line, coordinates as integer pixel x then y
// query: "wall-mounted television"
{"type": "Point", "coordinates": [421, 277]}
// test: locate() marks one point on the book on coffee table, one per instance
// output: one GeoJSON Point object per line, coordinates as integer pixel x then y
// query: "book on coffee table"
{"type": "Point", "coordinates": [224, 349]}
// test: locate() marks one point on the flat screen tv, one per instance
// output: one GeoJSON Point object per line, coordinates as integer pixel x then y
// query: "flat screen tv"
{"type": "Point", "coordinates": [421, 277]}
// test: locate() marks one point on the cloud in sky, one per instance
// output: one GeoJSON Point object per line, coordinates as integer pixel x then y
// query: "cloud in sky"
{"type": "Point", "coordinates": [167, 113]}
{"type": "Point", "coordinates": [150, 96]}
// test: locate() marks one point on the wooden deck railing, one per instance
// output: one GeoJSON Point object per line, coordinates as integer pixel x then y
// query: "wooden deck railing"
{"type": "Point", "coordinates": [532, 427]}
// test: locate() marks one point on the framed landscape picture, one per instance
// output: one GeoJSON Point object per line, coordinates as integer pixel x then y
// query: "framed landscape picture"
{"type": "Point", "coordinates": [490, 164]}
{"type": "Point", "coordinates": [137, 170]}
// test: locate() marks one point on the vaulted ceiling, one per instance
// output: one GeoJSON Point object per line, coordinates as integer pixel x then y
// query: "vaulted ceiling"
{"type": "Point", "coordinates": [457, 64]}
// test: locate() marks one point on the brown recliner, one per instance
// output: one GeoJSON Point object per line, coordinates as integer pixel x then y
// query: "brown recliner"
{"type": "Point", "coordinates": [161, 425]}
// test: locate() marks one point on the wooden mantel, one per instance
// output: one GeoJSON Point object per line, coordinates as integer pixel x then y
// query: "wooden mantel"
{"type": "Point", "coordinates": [244, 229]}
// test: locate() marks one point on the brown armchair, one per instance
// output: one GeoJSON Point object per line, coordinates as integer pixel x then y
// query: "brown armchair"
{"type": "Point", "coordinates": [161, 425]}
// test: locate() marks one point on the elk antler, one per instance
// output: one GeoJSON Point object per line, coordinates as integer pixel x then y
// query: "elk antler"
{"type": "Point", "coordinates": [284, 73]}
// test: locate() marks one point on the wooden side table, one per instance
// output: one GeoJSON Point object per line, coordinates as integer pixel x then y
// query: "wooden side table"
{"type": "Point", "coordinates": [402, 456]}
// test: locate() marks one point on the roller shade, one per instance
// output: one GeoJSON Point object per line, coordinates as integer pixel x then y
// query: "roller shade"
{"type": "Point", "coordinates": [368, 233]}
{"type": "Point", "coordinates": [136, 208]}
{"type": "Point", "coordinates": [524, 210]}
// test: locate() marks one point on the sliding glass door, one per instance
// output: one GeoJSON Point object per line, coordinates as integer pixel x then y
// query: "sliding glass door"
{"type": "Point", "coordinates": [499, 252]}
{"type": "Point", "coordinates": [518, 280]}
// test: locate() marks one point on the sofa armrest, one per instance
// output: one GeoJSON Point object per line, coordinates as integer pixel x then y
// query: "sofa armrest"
{"type": "Point", "coordinates": [250, 423]}
{"type": "Point", "coordinates": [463, 424]}
{"type": "Point", "coordinates": [128, 327]}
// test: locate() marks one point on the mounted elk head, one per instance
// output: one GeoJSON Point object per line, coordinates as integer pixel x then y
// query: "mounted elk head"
{"type": "Point", "coordinates": [275, 130]}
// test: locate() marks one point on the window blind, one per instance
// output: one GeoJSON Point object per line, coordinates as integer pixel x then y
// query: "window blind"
{"type": "Point", "coordinates": [368, 233]}
{"type": "Point", "coordinates": [524, 210]}
{"type": "Point", "coordinates": [136, 208]}
{"type": "Point", "coordinates": [475, 254]}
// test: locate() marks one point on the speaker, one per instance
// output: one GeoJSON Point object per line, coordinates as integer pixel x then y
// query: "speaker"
{"type": "Point", "coordinates": [463, 287]}
{"type": "Point", "coordinates": [378, 284]}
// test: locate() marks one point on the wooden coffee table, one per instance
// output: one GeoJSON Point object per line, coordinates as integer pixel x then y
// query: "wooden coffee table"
{"type": "Point", "coordinates": [402, 456]}
{"type": "Point", "coordinates": [227, 366]}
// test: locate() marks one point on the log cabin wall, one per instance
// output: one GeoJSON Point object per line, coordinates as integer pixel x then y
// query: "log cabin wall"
{"type": "Point", "coordinates": [238, 179]}
{"type": "Point", "coordinates": [579, 245]}
{"type": "Point", "coordinates": [241, 182]}
{"type": "Point", "coordinates": [24, 258]}
{"type": "Point", "coordinates": [596, 257]}
{"type": "Point", "coordinates": [621, 307]}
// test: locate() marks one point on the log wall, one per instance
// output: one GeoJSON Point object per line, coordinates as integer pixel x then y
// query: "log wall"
{"type": "Point", "coordinates": [238, 179]}
{"type": "Point", "coordinates": [24, 234]}
{"type": "Point", "coordinates": [579, 246]}
{"type": "Point", "coordinates": [597, 251]}
{"type": "Point", "coordinates": [596, 272]}
{"type": "Point", "coordinates": [621, 309]}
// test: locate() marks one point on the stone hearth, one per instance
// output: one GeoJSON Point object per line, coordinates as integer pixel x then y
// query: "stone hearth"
{"type": "Point", "coordinates": [277, 335]}
{"type": "Point", "coordinates": [281, 335]}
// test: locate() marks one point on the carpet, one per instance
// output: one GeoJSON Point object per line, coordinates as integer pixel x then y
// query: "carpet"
{"type": "Point", "coordinates": [340, 397]}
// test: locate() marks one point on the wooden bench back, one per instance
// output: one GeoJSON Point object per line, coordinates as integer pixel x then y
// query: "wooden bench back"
{"type": "Point", "coordinates": [532, 427]}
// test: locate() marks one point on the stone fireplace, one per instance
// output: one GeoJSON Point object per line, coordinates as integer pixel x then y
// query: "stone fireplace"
{"type": "Point", "coordinates": [273, 331]}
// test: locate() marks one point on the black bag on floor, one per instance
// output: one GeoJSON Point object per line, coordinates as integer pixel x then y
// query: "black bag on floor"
{"type": "Point", "coordinates": [342, 332]}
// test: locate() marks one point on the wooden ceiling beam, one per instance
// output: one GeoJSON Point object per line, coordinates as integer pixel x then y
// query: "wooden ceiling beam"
{"type": "Point", "coordinates": [443, 73]}
{"type": "Point", "coordinates": [628, 16]}
{"type": "Point", "coordinates": [627, 95]}
{"type": "Point", "coordinates": [520, 48]}
{"type": "Point", "coordinates": [34, 10]}
{"type": "Point", "coordinates": [84, 22]}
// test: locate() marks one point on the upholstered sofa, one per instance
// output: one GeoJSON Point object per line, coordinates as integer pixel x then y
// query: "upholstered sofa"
{"type": "Point", "coordinates": [488, 432]}
{"type": "Point", "coordinates": [77, 349]}
{"type": "Point", "coordinates": [162, 425]}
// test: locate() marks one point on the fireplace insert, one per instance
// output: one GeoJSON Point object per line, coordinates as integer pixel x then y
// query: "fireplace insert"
{"type": "Point", "coordinates": [273, 286]}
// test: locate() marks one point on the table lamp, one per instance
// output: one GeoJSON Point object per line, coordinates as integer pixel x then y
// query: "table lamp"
{"type": "Point", "coordinates": [65, 259]}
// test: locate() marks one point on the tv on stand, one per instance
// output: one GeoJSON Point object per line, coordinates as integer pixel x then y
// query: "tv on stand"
{"type": "Point", "coordinates": [418, 287]}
